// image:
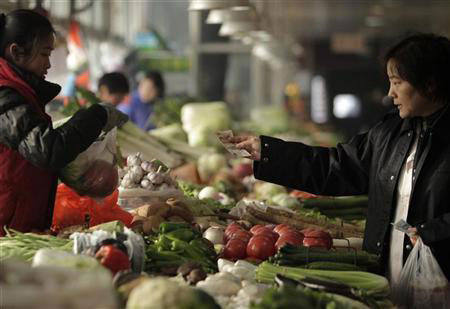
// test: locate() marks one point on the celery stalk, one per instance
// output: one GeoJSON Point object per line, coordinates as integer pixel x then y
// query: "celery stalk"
{"type": "Point", "coordinates": [371, 284]}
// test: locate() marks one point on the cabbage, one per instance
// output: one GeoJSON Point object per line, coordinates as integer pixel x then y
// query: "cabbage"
{"type": "Point", "coordinates": [285, 200]}
{"type": "Point", "coordinates": [202, 120]}
{"type": "Point", "coordinates": [270, 119]}
{"type": "Point", "coordinates": [164, 293]}
{"type": "Point", "coordinates": [209, 164]}
{"type": "Point", "coordinates": [54, 257]}
{"type": "Point", "coordinates": [266, 190]}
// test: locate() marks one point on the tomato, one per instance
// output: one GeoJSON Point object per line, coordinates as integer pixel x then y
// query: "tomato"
{"type": "Point", "coordinates": [241, 234]}
{"type": "Point", "coordinates": [267, 232]}
{"type": "Point", "coordinates": [255, 228]}
{"type": "Point", "coordinates": [318, 238]}
{"type": "Point", "coordinates": [292, 233]}
{"type": "Point", "coordinates": [229, 231]}
{"type": "Point", "coordinates": [260, 247]}
{"type": "Point", "coordinates": [302, 195]}
{"type": "Point", "coordinates": [280, 227]}
{"type": "Point", "coordinates": [235, 249]}
{"type": "Point", "coordinates": [233, 226]}
{"type": "Point", "coordinates": [295, 239]}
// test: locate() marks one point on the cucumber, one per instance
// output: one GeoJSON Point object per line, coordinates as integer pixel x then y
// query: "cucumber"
{"type": "Point", "coordinates": [334, 266]}
{"type": "Point", "coordinates": [342, 202]}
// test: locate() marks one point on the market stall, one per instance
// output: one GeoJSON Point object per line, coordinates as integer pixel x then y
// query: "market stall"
{"type": "Point", "coordinates": [169, 218]}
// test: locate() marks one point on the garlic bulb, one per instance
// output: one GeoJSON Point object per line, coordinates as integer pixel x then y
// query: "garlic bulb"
{"type": "Point", "coordinates": [156, 178]}
{"type": "Point", "coordinates": [146, 166]}
{"type": "Point", "coordinates": [146, 184]}
{"type": "Point", "coordinates": [134, 160]}
{"type": "Point", "coordinates": [127, 183]}
{"type": "Point", "coordinates": [136, 173]}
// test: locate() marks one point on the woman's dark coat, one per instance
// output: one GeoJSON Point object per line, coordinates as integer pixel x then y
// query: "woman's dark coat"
{"type": "Point", "coordinates": [31, 151]}
{"type": "Point", "coordinates": [370, 163]}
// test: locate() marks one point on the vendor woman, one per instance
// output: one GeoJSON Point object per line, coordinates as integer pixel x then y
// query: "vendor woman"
{"type": "Point", "coordinates": [31, 150]}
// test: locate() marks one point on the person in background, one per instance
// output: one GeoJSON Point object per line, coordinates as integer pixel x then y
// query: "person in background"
{"type": "Point", "coordinates": [402, 163]}
{"type": "Point", "coordinates": [31, 150]}
{"type": "Point", "coordinates": [150, 91]}
{"type": "Point", "coordinates": [113, 87]}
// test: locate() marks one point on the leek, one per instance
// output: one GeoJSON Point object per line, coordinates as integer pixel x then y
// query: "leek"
{"type": "Point", "coordinates": [191, 153]}
{"type": "Point", "coordinates": [133, 141]}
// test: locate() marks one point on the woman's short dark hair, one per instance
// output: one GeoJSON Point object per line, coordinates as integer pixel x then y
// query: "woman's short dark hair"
{"type": "Point", "coordinates": [26, 28]}
{"type": "Point", "coordinates": [424, 61]}
{"type": "Point", "coordinates": [158, 80]}
{"type": "Point", "coordinates": [115, 82]}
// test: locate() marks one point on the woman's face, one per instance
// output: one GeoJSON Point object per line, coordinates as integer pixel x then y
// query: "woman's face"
{"type": "Point", "coordinates": [38, 61]}
{"type": "Point", "coordinates": [407, 99]}
{"type": "Point", "coordinates": [147, 90]}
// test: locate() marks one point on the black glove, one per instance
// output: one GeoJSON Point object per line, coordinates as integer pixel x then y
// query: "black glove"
{"type": "Point", "coordinates": [115, 118]}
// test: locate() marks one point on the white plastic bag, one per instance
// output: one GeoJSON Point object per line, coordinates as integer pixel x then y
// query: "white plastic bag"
{"type": "Point", "coordinates": [94, 172]}
{"type": "Point", "coordinates": [422, 284]}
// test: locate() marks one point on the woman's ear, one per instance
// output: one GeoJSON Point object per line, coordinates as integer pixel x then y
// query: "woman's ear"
{"type": "Point", "coordinates": [14, 53]}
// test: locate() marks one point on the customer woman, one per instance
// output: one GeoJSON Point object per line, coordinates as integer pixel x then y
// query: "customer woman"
{"type": "Point", "coordinates": [31, 150]}
{"type": "Point", "coordinates": [402, 163]}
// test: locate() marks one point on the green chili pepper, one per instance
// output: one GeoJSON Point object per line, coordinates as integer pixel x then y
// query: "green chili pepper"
{"type": "Point", "coordinates": [181, 234]}
{"type": "Point", "coordinates": [167, 227]}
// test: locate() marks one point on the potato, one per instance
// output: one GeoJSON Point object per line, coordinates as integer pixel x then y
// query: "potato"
{"type": "Point", "coordinates": [158, 208]}
{"type": "Point", "coordinates": [181, 212]}
{"type": "Point", "coordinates": [178, 202]}
{"type": "Point", "coordinates": [152, 224]}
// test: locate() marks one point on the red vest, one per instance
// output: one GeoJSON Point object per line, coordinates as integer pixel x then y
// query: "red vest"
{"type": "Point", "coordinates": [27, 192]}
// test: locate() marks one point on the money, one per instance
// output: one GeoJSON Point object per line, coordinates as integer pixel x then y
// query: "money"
{"type": "Point", "coordinates": [224, 138]}
{"type": "Point", "coordinates": [402, 226]}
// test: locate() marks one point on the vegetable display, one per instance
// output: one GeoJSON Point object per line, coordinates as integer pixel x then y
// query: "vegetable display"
{"type": "Point", "coordinates": [176, 244]}
{"type": "Point", "coordinates": [25, 245]}
{"type": "Point", "coordinates": [260, 243]}
{"type": "Point", "coordinates": [295, 256]}
{"type": "Point", "coordinates": [113, 258]}
{"type": "Point", "coordinates": [149, 175]}
{"type": "Point", "coordinates": [298, 298]}
{"type": "Point", "coordinates": [371, 286]}
{"type": "Point", "coordinates": [163, 293]}
{"type": "Point", "coordinates": [202, 120]}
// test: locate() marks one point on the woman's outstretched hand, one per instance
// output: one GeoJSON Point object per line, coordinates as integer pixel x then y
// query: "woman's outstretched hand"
{"type": "Point", "coordinates": [250, 143]}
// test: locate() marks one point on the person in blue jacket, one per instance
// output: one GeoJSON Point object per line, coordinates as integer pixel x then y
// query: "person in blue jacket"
{"type": "Point", "coordinates": [150, 91]}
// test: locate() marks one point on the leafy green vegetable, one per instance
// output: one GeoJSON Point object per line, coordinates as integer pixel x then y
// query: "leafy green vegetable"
{"type": "Point", "coordinates": [202, 120]}
{"type": "Point", "coordinates": [368, 284]}
{"type": "Point", "coordinates": [189, 189]}
{"type": "Point", "coordinates": [25, 245]}
{"type": "Point", "coordinates": [303, 298]}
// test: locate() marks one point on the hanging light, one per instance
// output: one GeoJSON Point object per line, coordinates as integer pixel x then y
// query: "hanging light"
{"type": "Point", "coordinates": [239, 20]}
{"type": "Point", "coordinates": [197, 5]}
{"type": "Point", "coordinates": [217, 16]}
{"type": "Point", "coordinates": [233, 28]}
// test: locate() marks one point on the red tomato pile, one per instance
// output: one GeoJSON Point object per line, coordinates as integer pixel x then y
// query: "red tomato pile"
{"type": "Point", "coordinates": [260, 242]}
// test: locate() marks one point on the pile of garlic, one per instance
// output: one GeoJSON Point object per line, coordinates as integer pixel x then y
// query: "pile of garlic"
{"type": "Point", "coordinates": [149, 175]}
